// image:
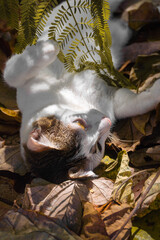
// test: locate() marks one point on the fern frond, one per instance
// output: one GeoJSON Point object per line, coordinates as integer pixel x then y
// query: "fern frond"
{"type": "Point", "coordinates": [68, 31]}
{"type": "Point", "coordinates": [69, 61]}
{"type": "Point", "coordinates": [61, 18]}
{"type": "Point", "coordinates": [27, 19]}
{"type": "Point", "coordinates": [9, 11]}
{"type": "Point", "coordinates": [43, 9]}
{"type": "Point", "coordinates": [81, 6]}
{"type": "Point", "coordinates": [21, 42]}
{"type": "Point", "coordinates": [85, 23]}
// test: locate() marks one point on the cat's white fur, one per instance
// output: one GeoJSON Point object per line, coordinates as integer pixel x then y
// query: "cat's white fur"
{"type": "Point", "coordinates": [44, 88]}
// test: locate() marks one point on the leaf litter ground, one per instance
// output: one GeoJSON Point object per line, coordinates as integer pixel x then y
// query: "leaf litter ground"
{"type": "Point", "coordinates": [97, 208]}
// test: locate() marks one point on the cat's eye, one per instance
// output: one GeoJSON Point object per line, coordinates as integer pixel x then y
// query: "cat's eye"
{"type": "Point", "coordinates": [82, 123]}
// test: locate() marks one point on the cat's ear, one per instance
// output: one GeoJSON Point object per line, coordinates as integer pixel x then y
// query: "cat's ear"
{"type": "Point", "coordinates": [75, 173]}
{"type": "Point", "coordinates": [37, 143]}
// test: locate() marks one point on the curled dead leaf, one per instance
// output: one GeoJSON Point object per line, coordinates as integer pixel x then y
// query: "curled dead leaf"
{"type": "Point", "coordinates": [12, 113]}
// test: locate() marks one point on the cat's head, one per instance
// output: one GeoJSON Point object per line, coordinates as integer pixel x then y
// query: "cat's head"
{"type": "Point", "coordinates": [70, 145]}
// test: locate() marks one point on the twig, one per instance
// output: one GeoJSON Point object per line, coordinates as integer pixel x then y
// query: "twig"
{"type": "Point", "coordinates": [139, 202]}
{"type": "Point", "coordinates": [133, 175]}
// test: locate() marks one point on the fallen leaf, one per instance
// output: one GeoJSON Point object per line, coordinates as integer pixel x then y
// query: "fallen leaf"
{"type": "Point", "coordinates": [62, 201]}
{"type": "Point", "coordinates": [140, 234]}
{"type": "Point", "coordinates": [140, 13]}
{"type": "Point", "coordinates": [7, 192]}
{"type": "Point", "coordinates": [147, 227]}
{"type": "Point", "coordinates": [4, 208]}
{"type": "Point", "coordinates": [131, 51]}
{"type": "Point", "coordinates": [125, 135]}
{"type": "Point", "coordinates": [147, 153]}
{"type": "Point", "coordinates": [92, 224]}
{"type": "Point", "coordinates": [7, 96]}
{"type": "Point", "coordinates": [12, 113]}
{"type": "Point", "coordinates": [138, 181]}
{"type": "Point", "coordinates": [109, 166]}
{"type": "Point", "coordinates": [145, 67]}
{"type": "Point", "coordinates": [26, 225]}
{"type": "Point", "coordinates": [152, 200]}
{"type": "Point", "coordinates": [123, 192]}
{"type": "Point", "coordinates": [11, 160]}
{"type": "Point", "coordinates": [114, 217]}
{"type": "Point", "coordinates": [100, 190]}
{"type": "Point", "coordinates": [141, 121]}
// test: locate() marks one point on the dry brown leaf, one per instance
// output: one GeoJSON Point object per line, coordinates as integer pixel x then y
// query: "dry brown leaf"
{"type": "Point", "coordinates": [7, 192]}
{"type": "Point", "coordinates": [93, 227]}
{"type": "Point", "coordinates": [140, 13]}
{"type": "Point", "coordinates": [138, 183]}
{"type": "Point", "coordinates": [152, 200]}
{"type": "Point", "coordinates": [145, 68]}
{"type": "Point", "coordinates": [26, 225]}
{"type": "Point", "coordinates": [114, 217]}
{"type": "Point", "coordinates": [133, 50]}
{"type": "Point", "coordinates": [11, 160]}
{"type": "Point", "coordinates": [4, 208]}
{"type": "Point", "coordinates": [125, 135]}
{"type": "Point", "coordinates": [100, 190]}
{"type": "Point", "coordinates": [147, 152]}
{"type": "Point", "coordinates": [64, 201]}
{"type": "Point", "coordinates": [7, 96]}
{"type": "Point", "coordinates": [140, 122]}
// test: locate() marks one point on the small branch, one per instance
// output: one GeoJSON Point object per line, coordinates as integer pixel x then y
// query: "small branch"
{"type": "Point", "coordinates": [133, 175]}
{"type": "Point", "coordinates": [139, 202]}
{"type": "Point", "coordinates": [80, 32]}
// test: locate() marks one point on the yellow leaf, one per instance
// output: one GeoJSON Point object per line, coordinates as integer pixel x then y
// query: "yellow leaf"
{"type": "Point", "coordinates": [12, 113]}
{"type": "Point", "coordinates": [141, 121]}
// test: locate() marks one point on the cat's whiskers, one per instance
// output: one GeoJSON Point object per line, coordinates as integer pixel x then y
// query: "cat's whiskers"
{"type": "Point", "coordinates": [115, 138]}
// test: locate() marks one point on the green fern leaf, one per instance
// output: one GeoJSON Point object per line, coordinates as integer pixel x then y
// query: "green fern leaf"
{"type": "Point", "coordinates": [62, 17]}
{"type": "Point", "coordinates": [28, 14]}
{"type": "Point", "coordinates": [21, 42]}
{"type": "Point", "coordinates": [42, 12]}
{"type": "Point", "coordinates": [68, 31]}
{"type": "Point", "coordinates": [9, 11]}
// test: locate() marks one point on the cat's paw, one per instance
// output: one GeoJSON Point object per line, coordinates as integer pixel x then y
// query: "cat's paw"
{"type": "Point", "coordinates": [43, 53]}
{"type": "Point", "coordinates": [155, 90]}
{"type": "Point", "coordinates": [50, 49]}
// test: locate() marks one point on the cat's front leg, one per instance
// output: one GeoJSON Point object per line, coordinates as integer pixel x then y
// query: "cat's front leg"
{"type": "Point", "coordinates": [22, 67]}
{"type": "Point", "coordinates": [128, 104]}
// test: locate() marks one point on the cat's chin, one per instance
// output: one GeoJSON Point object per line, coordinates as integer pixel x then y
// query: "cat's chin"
{"type": "Point", "coordinates": [76, 173]}
{"type": "Point", "coordinates": [104, 126]}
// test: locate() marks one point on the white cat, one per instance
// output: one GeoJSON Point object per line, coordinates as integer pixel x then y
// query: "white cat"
{"type": "Point", "coordinates": [66, 117]}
